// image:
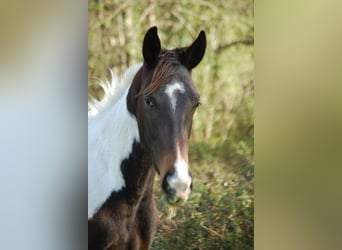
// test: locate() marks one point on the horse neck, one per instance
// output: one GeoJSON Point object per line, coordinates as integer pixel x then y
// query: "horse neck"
{"type": "Point", "coordinates": [111, 135]}
{"type": "Point", "coordinates": [120, 151]}
{"type": "Point", "coordinates": [139, 175]}
{"type": "Point", "coordinates": [137, 169]}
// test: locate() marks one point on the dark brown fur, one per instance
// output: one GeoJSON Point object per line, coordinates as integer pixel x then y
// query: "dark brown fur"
{"type": "Point", "coordinates": [127, 220]}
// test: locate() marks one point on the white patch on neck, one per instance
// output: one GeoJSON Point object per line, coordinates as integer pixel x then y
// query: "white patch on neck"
{"type": "Point", "coordinates": [111, 133]}
{"type": "Point", "coordinates": [171, 89]}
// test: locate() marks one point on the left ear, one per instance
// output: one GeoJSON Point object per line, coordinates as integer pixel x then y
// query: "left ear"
{"type": "Point", "coordinates": [192, 56]}
{"type": "Point", "coordinates": [151, 47]}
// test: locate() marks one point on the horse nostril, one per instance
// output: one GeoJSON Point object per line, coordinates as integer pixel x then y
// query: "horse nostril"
{"type": "Point", "coordinates": [166, 186]}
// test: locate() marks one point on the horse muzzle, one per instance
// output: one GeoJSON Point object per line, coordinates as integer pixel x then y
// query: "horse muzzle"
{"type": "Point", "coordinates": [177, 188]}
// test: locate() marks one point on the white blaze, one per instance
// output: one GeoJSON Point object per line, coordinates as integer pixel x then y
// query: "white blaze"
{"type": "Point", "coordinates": [180, 181]}
{"type": "Point", "coordinates": [171, 89]}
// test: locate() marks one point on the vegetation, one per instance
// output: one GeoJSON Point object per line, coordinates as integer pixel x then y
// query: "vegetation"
{"type": "Point", "coordinates": [220, 211]}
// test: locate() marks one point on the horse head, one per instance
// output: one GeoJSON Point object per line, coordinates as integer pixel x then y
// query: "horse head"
{"type": "Point", "coordinates": [163, 98]}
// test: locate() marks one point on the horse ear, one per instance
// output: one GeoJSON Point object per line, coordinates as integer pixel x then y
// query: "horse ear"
{"type": "Point", "coordinates": [192, 56]}
{"type": "Point", "coordinates": [151, 47]}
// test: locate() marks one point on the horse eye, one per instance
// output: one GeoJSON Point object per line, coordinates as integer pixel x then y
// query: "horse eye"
{"type": "Point", "coordinates": [197, 104]}
{"type": "Point", "coordinates": [149, 102]}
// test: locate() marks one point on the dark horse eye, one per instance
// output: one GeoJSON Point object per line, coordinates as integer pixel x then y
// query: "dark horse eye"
{"type": "Point", "coordinates": [149, 102]}
{"type": "Point", "coordinates": [197, 104]}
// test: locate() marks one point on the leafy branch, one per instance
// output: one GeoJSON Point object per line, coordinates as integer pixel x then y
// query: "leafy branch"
{"type": "Point", "coordinates": [247, 41]}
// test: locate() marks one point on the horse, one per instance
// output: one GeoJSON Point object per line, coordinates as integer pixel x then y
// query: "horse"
{"type": "Point", "coordinates": [139, 128]}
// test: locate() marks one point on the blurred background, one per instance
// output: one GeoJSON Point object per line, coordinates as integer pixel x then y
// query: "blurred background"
{"type": "Point", "coordinates": [220, 211]}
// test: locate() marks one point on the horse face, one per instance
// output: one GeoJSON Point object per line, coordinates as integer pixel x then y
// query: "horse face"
{"type": "Point", "coordinates": [166, 127]}
{"type": "Point", "coordinates": [165, 104]}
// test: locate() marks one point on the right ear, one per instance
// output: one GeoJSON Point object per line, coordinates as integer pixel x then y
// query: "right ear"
{"type": "Point", "coordinates": [151, 47]}
{"type": "Point", "coordinates": [192, 56]}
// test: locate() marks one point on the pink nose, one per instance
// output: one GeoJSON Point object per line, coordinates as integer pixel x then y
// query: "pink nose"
{"type": "Point", "coordinates": [182, 196]}
{"type": "Point", "coordinates": [177, 198]}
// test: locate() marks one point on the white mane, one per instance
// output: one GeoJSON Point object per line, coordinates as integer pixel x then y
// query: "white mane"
{"type": "Point", "coordinates": [112, 129]}
{"type": "Point", "coordinates": [112, 90]}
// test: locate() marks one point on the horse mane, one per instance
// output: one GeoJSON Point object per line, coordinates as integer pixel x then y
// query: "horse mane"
{"type": "Point", "coordinates": [167, 66]}
{"type": "Point", "coordinates": [113, 90]}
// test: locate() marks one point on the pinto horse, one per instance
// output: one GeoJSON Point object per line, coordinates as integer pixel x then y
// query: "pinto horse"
{"type": "Point", "coordinates": [140, 127]}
